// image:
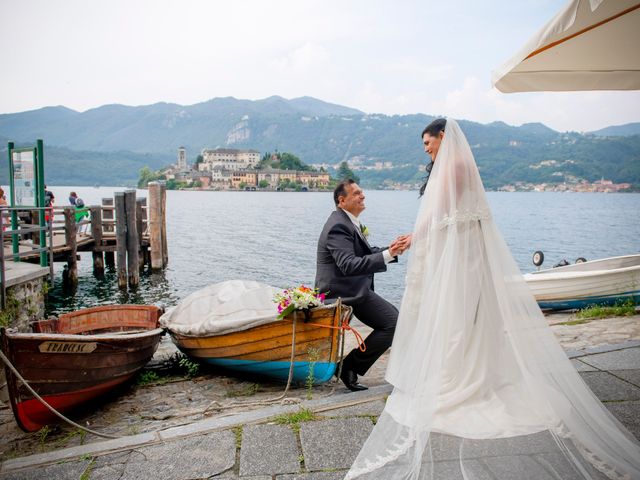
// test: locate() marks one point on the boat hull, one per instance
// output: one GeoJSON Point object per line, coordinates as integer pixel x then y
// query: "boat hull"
{"type": "Point", "coordinates": [80, 356]}
{"type": "Point", "coordinates": [600, 282]}
{"type": "Point", "coordinates": [265, 350]}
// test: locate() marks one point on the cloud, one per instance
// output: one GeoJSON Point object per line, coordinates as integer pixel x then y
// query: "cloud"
{"type": "Point", "coordinates": [476, 100]}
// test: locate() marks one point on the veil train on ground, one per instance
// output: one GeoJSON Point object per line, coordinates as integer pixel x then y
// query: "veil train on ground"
{"type": "Point", "coordinates": [481, 385]}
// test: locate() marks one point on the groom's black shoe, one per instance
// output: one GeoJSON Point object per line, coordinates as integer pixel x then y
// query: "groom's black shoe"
{"type": "Point", "coordinates": [350, 380]}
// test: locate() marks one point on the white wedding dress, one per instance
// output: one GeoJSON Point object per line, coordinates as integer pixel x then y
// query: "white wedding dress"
{"type": "Point", "coordinates": [473, 361]}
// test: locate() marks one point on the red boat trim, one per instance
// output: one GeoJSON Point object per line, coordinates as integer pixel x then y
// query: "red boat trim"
{"type": "Point", "coordinates": [32, 415]}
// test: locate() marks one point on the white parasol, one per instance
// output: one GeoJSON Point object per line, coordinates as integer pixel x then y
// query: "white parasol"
{"type": "Point", "coordinates": [588, 45]}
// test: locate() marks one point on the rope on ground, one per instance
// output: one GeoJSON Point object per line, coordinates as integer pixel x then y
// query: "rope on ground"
{"type": "Point", "coordinates": [282, 396]}
{"type": "Point", "coordinates": [345, 316]}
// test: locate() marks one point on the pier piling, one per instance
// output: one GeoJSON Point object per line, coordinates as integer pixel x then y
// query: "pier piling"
{"type": "Point", "coordinates": [157, 225]}
{"type": "Point", "coordinates": [133, 243]}
{"type": "Point", "coordinates": [121, 239]}
{"type": "Point", "coordinates": [96, 233]}
{"type": "Point", "coordinates": [70, 240]}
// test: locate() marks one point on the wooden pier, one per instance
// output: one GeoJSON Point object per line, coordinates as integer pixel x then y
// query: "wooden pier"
{"type": "Point", "coordinates": [129, 228]}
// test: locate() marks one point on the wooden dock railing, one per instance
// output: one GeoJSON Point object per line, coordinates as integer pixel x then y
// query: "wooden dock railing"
{"type": "Point", "coordinates": [128, 227]}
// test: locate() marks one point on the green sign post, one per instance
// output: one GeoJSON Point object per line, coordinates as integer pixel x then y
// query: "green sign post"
{"type": "Point", "coordinates": [26, 178]}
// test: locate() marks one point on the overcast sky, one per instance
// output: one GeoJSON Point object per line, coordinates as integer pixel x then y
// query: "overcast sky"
{"type": "Point", "coordinates": [392, 57]}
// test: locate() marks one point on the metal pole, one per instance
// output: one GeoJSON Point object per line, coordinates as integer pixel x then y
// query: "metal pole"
{"type": "Point", "coordinates": [40, 199]}
{"type": "Point", "coordinates": [14, 214]}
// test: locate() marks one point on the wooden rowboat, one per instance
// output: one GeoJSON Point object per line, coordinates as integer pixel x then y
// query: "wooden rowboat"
{"type": "Point", "coordinates": [77, 357]}
{"type": "Point", "coordinates": [599, 282]}
{"type": "Point", "coordinates": [265, 350]}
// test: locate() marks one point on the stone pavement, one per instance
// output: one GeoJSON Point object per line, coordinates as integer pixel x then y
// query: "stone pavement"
{"type": "Point", "coordinates": [268, 444]}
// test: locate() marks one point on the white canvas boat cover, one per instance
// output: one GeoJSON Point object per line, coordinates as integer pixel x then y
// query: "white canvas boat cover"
{"type": "Point", "coordinates": [221, 308]}
{"type": "Point", "coordinates": [588, 45]}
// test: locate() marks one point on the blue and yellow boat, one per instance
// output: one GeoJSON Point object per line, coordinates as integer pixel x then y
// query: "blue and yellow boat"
{"type": "Point", "coordinates": [265, 350]}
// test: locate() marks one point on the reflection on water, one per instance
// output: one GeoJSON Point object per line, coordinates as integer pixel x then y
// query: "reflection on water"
{"type": "Point", "coordinates": [271, 237]}
{"type": "Point", "coordinates": [91, 290]}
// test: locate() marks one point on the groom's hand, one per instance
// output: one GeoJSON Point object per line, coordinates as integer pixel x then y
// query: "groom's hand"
{"type": "Point", "coordinates": [395, 248]}
{"type": "Point", "coordinates": [400, 244]}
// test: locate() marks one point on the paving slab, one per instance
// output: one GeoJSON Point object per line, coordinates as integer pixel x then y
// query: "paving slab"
{"type": "Point", "coordinates": [609, 388]}
{"type": "Point", "coordinates": [517, 467]}
{"type": "Point", "coordinates": [583, 367]}
{"type": "Point", "coordinates": [541, 442]}
{"type": "Point", "coordinates": [338, 475]}
{"type": "Point", "coordinates": [628, 413]}
{"type": "Point", "coordinates": [627, 359]}
{"type": "Point", "coordinates": [197, 457]}
{"type": "Point", "coordinates": [603, 348]}
{"type": "Point", "coordinates": [268, 449]}
{"type": "Point", "coordinates": [451, 469]}
{"type": "Point", "coordinates": [333, 443]}
{"type": "Point", "coordinates": [558, 465]}
{"type": "Point", "coordinates": [61, 470]}
{"type": "Point", "coordinates": [370, 408]}
{"type": "Point", "coordinates": [631, 376]}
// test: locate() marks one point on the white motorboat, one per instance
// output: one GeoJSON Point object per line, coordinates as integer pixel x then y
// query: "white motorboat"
{"type": "Point", "coordinates": [598, 282]}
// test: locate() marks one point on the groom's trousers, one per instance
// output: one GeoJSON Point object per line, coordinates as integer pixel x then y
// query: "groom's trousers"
{"type": "Point", "coordinates": [377, 313]}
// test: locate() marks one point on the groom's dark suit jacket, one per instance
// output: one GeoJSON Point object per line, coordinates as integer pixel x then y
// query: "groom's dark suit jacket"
{"type": "Point", "coordinates": [346, 262]}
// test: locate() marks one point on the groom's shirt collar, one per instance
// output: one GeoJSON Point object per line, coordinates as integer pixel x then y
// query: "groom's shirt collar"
{"type": "Point", "coordinates": [353, 218]}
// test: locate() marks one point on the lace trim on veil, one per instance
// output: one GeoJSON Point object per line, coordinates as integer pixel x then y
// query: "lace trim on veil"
{"type": "Point", "coordinates": [393, 453]}
{"type": "Point", "coordinates": [464, 216]}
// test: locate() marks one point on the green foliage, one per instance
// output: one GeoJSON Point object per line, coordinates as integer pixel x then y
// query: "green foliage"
{"type": "Point", "coordinates": [43, 434]}
{"type": "Point", "coordinates": [10, 311]}
{"type": "Point", "coordinates": [242, 185]}
{"type": "Point", "coordinates": [345, 173]}
{"type": "Point", "coordinates": [146, 377]}
{"type": "Point", "coordinates": [174, 184]}
{"type": "Point", "coordinates": [282, 161]}
{"type": "Point", "coordinates": [263, 184]}
{"type": "Point", "coordinates": [86, 474]}
{"type": "Point", "coordinates": [190, 367]}
{"type": "Point", "coordinates": [237, 432]}
{"type": "Point", "coordinates": [622, 309]}
{"type": "Point", "coordinates": [147, 175]}
{"type": "Point", "coordinates": [314, 356]}
{"type": "Point", "coordinates": [199, 159]}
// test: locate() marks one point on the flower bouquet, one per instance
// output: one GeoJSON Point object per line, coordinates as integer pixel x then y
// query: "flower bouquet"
{"type": "Point", "coordinates": [299, 298]}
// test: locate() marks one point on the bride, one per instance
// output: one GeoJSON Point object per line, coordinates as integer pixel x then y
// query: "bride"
{"type": "Point", "coordinates": [474, 366]}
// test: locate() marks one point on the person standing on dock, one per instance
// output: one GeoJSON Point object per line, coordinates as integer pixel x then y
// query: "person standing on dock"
{"type": "Point", "coordinates": [346, 264]}
{"type": "Point", "coordinates": [49, 197]}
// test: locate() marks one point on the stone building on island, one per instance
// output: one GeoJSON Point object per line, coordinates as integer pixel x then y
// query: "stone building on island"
{"type": "Point", "coordinates": [225, 168]}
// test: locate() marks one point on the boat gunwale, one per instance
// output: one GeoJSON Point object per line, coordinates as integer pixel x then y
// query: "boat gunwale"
{"type": "Point", "coordinates": [245, 328]}
{"type": "Point", "coordinates": [545, 275]}
{"type": "Point", "coordinates": [101, 337]}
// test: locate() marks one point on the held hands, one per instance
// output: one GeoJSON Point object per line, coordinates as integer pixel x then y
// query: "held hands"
{"type": "Point", "coordinates": [400, 244]}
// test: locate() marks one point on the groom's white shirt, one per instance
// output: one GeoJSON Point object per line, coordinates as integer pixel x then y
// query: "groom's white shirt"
{"type": "Point", "coordinates": [385, 253]}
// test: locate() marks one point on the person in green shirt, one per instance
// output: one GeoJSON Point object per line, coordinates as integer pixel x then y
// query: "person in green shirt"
{"type": "Point", "coordinates": [81, 212]}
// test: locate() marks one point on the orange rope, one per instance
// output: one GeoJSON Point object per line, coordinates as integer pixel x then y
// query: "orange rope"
{"type": "Point", "coordinates": [345, 326]}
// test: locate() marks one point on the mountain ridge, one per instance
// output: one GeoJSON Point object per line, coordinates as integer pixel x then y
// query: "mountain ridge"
{"type": "Point", "coordinates": [316, 131]}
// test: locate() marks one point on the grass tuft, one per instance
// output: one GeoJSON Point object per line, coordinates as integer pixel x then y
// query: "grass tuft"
{"type": "Point", "coordinates": [623, 309]}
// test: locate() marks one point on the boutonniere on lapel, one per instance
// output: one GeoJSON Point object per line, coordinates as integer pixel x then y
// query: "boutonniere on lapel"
{"type": "Point", "coordinates": [364, 230]}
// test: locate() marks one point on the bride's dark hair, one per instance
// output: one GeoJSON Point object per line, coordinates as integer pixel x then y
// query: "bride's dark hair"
{"type": "Point", "coordinates": [433, 129]}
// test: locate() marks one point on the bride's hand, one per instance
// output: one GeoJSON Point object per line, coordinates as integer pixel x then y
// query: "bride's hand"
{"type": "Point", "coordinates": [404, 241]}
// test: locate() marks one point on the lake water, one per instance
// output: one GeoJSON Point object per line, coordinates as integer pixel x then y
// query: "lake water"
{"type": "Point", "coordinates": [271, 237]}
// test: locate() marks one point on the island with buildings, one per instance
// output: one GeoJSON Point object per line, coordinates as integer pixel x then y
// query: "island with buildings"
{"type": "Point", "coordinates": [233, 169]}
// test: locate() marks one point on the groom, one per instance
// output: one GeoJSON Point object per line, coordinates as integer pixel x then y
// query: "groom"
{"type": "Point", "coordinates": [345, 267]}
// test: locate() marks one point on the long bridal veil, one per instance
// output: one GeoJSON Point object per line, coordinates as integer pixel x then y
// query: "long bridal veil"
{"type": "Point", "coordinates": [482, 389]}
